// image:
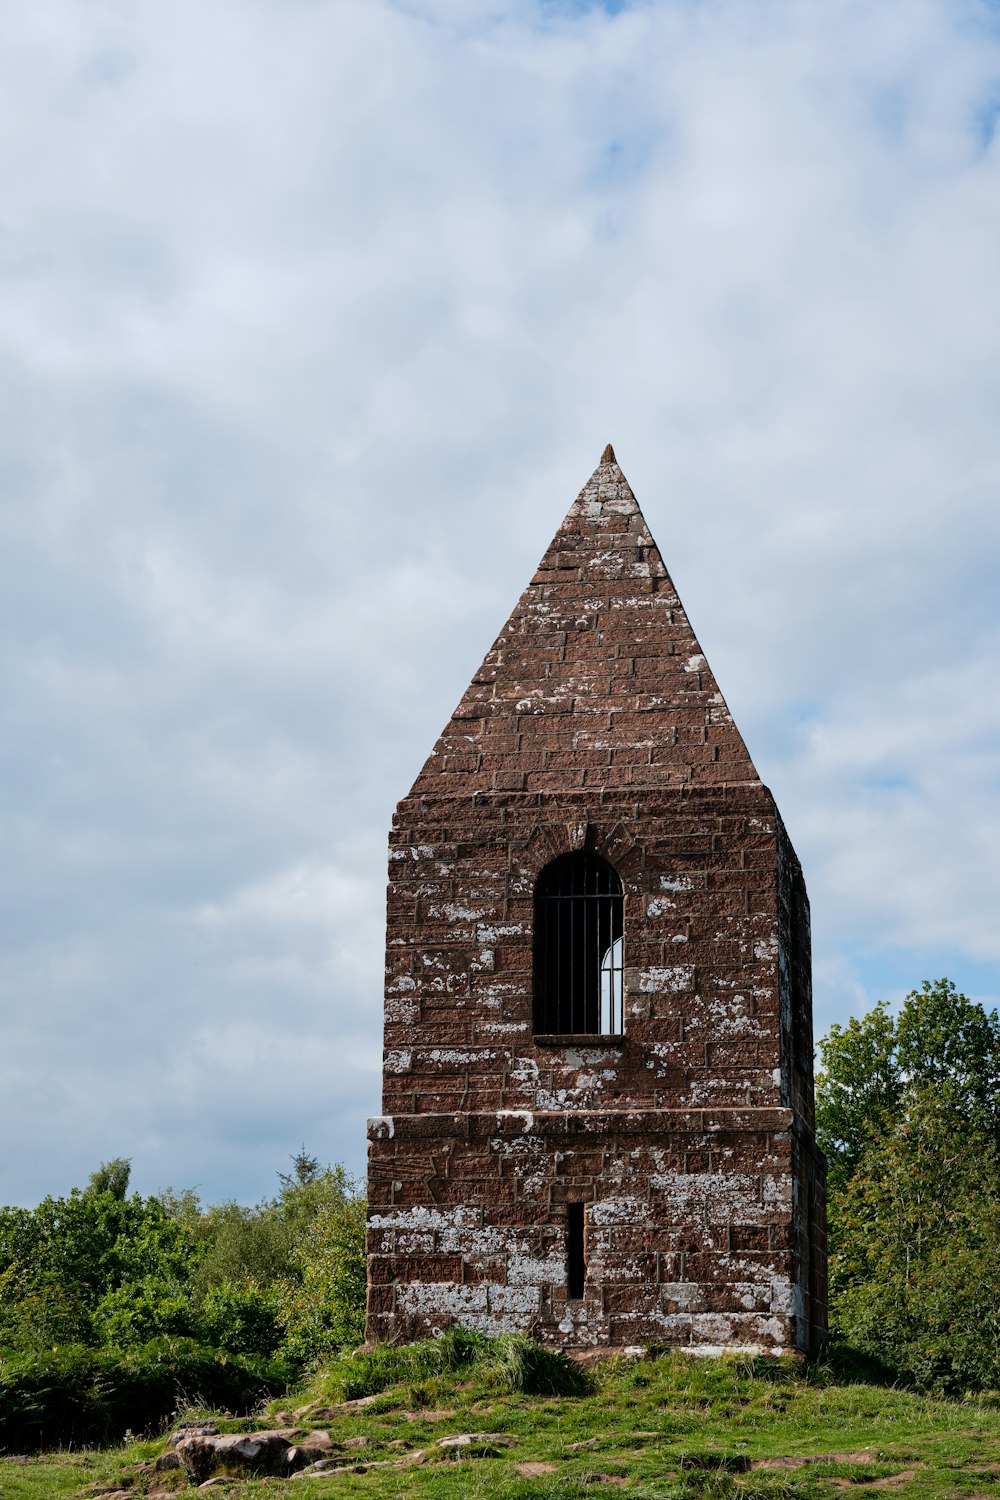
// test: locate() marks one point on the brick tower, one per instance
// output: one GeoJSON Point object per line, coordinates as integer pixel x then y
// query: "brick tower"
{"type": "Point", "coordinates": [598, 1095]}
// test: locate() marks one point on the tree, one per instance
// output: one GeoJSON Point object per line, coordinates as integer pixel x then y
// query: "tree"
{"type": "Point", "coordinates": [290, 1269]}
{"type": "Point", "coordinates": [908, 1113]}
{"type": "Point", "coordinates": [111, 1177]}
{"type": "Point", "coordinates": [325, 1311]}
{"type": "Point", "coordinates": [105, 1268]}
{"type": "Point", "coordinates": [305, 1169]}
{"type": "Point", "coordinates": [93, 1266]}
{"type": "Point", "coordinates": [941, 1045]}
{"type": "Point", "coordinates": [915, 1257]}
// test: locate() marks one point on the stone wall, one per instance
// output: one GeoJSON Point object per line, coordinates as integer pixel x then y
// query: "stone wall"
{"type": "Point", "coordinates": [690, 1236]}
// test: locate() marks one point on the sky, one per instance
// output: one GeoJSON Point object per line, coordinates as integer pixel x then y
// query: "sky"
{"type": "Point", "coordinates": [315, 315]}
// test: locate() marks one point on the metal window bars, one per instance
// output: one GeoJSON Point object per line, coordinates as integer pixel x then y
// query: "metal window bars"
{"type": "Point", "coordinates": [578, 967]}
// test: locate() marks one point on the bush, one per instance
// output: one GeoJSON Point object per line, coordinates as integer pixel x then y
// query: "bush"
{"type": "Point", "coordinates": [92, 1267]}
{"type": "Point", "coordinates": [75, 1395]}
{"type": "Point", "coordinates": [242, 1318]}
{"type": "Point", "coordinates": [324, 1311]}
{"type": "Point", "coordinates": [915, 1263]}
{"type": "Point", "coordinates": [139, 1311]}
{"type": "Point", "coordinates": [511, 1362]}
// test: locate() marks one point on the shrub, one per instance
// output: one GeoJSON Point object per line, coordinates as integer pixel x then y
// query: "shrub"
{"type": "Point", "coordinates": [324, 1311]}
{"type": "Point", "coordinates": [92, 1266]}
{"type": "Point", "coordinates": [511, 1362]}
{"type": "Point", "coordinates": [76, 1395]}
{"type": "Point", "coordinates": [139, 1311]}
{"type": "Point", "coordinates": [242, 1317]}
{"type": "Point", "coordinates": [915, 1268]}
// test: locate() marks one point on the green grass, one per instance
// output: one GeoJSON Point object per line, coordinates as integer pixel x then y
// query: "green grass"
{"type": "Point", "coordinates": [671, 1428]}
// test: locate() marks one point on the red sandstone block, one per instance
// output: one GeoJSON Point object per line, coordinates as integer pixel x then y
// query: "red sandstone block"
{"type": "Point", "coordinates": [632, 1298]}
{"type": "Point", "coordinates": [524, 1215]}
{"type": "Point", "coordinates": [697, 1161]}
{"type": "Point", "coordinates": [737, 1297]}
{"type": "Point", "coordinates": [423, 1268]}
{"type": "Point", "coordinates": [459, 762]}
{"type": "Point", "coordinates": [382, 1269]}
{"type": "Point", "coordinates": [380, 1328]}
{"type": "Point", "coordinates": [580, 1165]}
{"type": "Point", "coordinates": [476, 1270]}
{"type": "Point", "coordinates": [637, 1268]}
{"type": "Point", "coordinates": [380, 1299]}
{"type": "Point", "coordinates": [439, 1101]}
{"type": "Point", "coordinates": [475, 1165]}
{"type": "Point", "coordinates": [482, 1095]}
{"type": "Point", "coordinates": [397, 1090]}
{"type": "Point", "coordinates": [512, 958]}
{"type": "Point", "coordinates": [722, 1057]}
{"type": "Point", "coordinates": [747, 1328]}
{"type": "Point", "coordinates": [674, 1331]}
{"type": "Point", "coordinates": [690, 1239]}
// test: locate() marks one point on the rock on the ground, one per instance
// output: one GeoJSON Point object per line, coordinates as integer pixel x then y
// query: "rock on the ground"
{"type": "Point", "coordinates": [255, 1452]}
{"type": "Point", "coordinates": [168, 1460]}
{"type": "Point", "coordinates": [477, 1444]}
{"type": "Point", "coordinates": [337, 1465]}
{"type": "Point", "coordinates": [191, 1429]}
{"type": "Point", "coordinates": [310, 1450]}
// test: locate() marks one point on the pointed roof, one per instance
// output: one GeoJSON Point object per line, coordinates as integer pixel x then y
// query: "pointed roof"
{"type": "Point", "coordinates": [597, 679]}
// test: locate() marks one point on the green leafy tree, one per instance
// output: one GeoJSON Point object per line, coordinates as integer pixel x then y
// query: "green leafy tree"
{"type": "Point", "coordinates": [908, 1113]}
{"type": "Point", "coordinates": [111, 1177]}
{"type": "Point", "coordinates": [242, 1318]}
{"type": "Point", "coordinates": [262, 1244]}
{"type": "Point", "coordinates": [311, 1195]}
{"type": "Point", "coordinates": [240, 1243]}
{"type": "Point", "coordinates": [858, 1089]}
{"type": "Point", "coordinates": [305, 1169]}
{"type": "Point", "coordinates": [110, 1269]}
{"type": "Point", "coordinates": [324, 1309]}
{"type": "Point", "coordinates": [73, 1267]}
{"type": "Point", "coordinates": [38, 1311]}
{"type": "Point", "coordinates": [151, 1307]}
{"type": "Point", "coordinates": [949, 1047]}
{"type": "Point", "coordinates": [287, 1274]}
{"type": "Point", "coordinates": [941, 1044]}
{"type": "Point", "coordinates": [915, 1265]}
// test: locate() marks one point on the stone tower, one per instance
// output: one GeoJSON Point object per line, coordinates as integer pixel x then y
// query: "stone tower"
{"type": "Point", "coordinates": [598, 1093]}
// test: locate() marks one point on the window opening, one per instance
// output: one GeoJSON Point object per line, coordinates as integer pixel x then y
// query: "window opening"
{"type": "Point", "coordinates": [578, 947]}
{"type": "Point", "coordinates": [611, 989]}
{"type": "Point", "coordinates": [576, 1264]}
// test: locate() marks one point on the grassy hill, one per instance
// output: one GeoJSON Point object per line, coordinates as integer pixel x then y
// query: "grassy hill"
{"type": "Point", "coordinates": [650, 1428]}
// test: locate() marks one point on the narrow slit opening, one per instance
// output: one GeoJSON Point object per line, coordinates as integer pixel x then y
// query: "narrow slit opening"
{"type": "Point", "coordinates": [576, 1265]}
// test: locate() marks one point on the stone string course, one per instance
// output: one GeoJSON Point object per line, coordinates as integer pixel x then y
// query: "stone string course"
{"type": "Point", "coordinates": [595, 722]}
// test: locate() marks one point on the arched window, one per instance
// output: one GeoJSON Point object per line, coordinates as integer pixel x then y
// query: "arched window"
{"type": "Point", "coordinates": [578, 947]}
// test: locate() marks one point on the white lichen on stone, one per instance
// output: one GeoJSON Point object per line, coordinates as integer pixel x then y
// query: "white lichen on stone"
{"type": "Point", "coordinates": [668, 980]}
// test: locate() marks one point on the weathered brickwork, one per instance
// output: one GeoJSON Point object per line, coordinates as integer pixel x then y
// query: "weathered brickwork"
{"type": "Point", "coordinates": [595, 724]}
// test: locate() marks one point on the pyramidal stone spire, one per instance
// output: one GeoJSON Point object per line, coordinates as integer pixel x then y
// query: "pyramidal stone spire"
{"type": "Point", "coordinates": [597, 680]}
